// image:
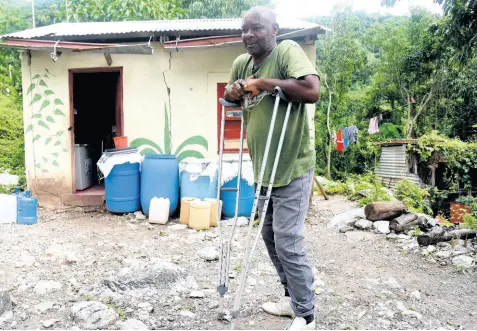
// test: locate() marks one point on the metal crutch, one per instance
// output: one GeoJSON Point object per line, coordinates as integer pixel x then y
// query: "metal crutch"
{"type": "Point", "coordinates": [224, 257]}
{"type": "Point", "coordinates": [251, 250]}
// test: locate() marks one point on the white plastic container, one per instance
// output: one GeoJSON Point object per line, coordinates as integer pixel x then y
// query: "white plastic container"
{"type": "Point", "coordinates": [159, 210]}
{"type": "Point", "coordinates": [83, 167]}
{"type": "Point", "coordinates": [8, 208]}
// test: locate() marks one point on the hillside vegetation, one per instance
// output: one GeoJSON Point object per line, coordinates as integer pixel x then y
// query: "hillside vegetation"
{"type": "Point", "coordinates": [415, 74]}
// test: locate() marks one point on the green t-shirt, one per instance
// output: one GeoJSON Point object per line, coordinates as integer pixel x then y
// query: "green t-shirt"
{"type": "Point", "coordinates": [287, 60]}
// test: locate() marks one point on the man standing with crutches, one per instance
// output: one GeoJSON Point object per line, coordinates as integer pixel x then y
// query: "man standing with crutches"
{"type": "Point", "coordinates": [253, 79]}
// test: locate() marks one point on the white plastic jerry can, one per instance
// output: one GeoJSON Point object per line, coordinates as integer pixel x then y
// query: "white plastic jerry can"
{"type": "Point", "coordinates": [159, 210]}
{"type": "Point", "coordinates": [8, 208]}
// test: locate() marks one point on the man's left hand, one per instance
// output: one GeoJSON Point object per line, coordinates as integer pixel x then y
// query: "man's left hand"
{"type": "Point", "coordinates": [252, 85]}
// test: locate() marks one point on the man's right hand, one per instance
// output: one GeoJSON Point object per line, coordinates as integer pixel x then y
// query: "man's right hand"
{"type": "Point", "coordinates": [235, 91]}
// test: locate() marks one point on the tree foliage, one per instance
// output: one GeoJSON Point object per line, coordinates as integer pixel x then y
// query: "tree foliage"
{"type": "Point", "coordinates": [125, 10]}
{"type": "Point", "coordinates": [340, 59]}
{"type": "Point", "coordinates": [406, 77]}
{"type": "Point", "coordinates": [418, 72]}
{"type": "Point", "coordinates": [219, 8]}
{"type": "Point", "coordinates": [459, 26]}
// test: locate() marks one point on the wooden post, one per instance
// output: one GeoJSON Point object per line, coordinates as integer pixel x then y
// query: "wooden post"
{"type": "Point", "coordinates": [321, 188]}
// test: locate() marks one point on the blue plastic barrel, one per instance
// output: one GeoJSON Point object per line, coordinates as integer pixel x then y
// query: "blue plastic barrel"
{"type": "Point", "coordinates": [27, 209]}
{"type": "Point", "coordinates": [194, 183]}
{"type": "Point", "coordinates": [160, 178]}
{"type": "Point", "coordinates": [247, 194]}
{"type": "Point", "coordinates": [18, 194]}
{"type": "Point", "coordinates": [122, 188]}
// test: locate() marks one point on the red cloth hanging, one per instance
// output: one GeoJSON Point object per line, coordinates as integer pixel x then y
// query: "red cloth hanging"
{"type": "Point", "coordinates": [339, 141]}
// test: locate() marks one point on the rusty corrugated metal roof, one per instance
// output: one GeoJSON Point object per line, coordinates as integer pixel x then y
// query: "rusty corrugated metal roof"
{"type": "Point", "coordinates": [395, 142]}
{"type": "Point", "coordinates": [106, 30]}
{"type": "Point", "coordinates": [51, 45]}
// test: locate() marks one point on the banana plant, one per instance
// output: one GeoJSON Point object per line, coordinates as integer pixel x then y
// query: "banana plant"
{"type": "Point", "coordinates": [147, 146]}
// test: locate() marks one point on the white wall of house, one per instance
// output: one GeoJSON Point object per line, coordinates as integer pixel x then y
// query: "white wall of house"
{"type": "Point", "coordinates": [192, 77]}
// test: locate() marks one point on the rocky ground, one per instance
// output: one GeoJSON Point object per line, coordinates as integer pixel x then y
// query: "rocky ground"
{"type": "Point", "coordinates": [88, 269]}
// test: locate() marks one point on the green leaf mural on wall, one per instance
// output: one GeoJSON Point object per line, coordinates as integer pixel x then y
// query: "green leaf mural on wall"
{"type": "Point", "coordinates": [147, 146]}
{"type": "Point", "coordinates": [45, 107]}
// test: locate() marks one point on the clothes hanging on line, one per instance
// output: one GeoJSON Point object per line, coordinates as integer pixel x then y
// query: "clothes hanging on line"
{"type": "Point", "coordinates": [339, 140]}
{"type": "Point", "coordinates": [373, 125]}
{"type": "Point", "coordinates": [346, 137]}
{"type": "Point", "coordinates": [353, 134]}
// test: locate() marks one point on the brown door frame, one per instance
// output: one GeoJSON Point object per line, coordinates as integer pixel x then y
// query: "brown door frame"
{"type": "Point", "coordinates": [119, 119]}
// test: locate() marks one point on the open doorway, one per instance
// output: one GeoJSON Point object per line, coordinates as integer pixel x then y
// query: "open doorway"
{"type": "Point", "coordinates": [96, 96]}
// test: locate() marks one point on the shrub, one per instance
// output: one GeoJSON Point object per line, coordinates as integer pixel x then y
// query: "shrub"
{"type": "Point", "coordinates": [361, 188]}
{"type": "Point", "coordinates": [413, 196]}
{"type": "Point", "coordinates": [470, 220]}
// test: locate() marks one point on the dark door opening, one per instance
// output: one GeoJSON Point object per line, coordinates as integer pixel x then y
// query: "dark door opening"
{"type": "Point", "coordinates": [97, 119]}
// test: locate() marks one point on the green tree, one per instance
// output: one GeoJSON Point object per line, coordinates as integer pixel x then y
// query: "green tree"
{"type": "Point", "coordinates": [408, 65]}
{"type": "Point", "coordinates": [219, 8]}
{"type": "Point", "coordinates": [124, 10]}
{"type": "Point", "coordinates": [460, 28]}
{"type": "Point", "coordinates": [339, 57]}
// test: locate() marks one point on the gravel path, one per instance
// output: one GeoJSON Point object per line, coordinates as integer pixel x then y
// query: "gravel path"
{"type": "Point", "coordinates": [90, 269]}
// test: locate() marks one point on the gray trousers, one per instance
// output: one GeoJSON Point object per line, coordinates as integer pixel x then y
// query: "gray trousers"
{"type": "Point", "coordinates": [283, 236]}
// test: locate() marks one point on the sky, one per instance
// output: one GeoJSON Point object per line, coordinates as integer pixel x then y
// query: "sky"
{"type": "Point", "coordinates": [307, 8]}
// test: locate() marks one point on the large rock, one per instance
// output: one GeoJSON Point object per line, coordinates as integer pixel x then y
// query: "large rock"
{"type": "Point", "coordinates": [347, 218]}
{"type": "Point", "coordinates": [92, 315]}
{"type": "Point", "coordinates": [363, 224]}
{"type": "Point", "coordinates": [5, 302]}
{"type": "Point", "coordinates": [431, 222]}
{"type": "Point", "coordinates": [381, 227]}
{"type": "Point", "coordinates": [153, 276]}
{"type": "Point", "coordinates": [463, 261]}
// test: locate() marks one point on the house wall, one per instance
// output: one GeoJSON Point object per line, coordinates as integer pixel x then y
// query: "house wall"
{"type": "Point", "coordinates": [191, 76]}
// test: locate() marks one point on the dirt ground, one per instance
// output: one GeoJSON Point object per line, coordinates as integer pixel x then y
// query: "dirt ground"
{"type": "Point", "coordinates": [363, 280]}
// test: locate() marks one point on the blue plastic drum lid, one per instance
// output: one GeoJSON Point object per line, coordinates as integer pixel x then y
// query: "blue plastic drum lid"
{"type": "Point", "coordinates": [27, 210]}
{"type": "Point", "coordinates": [160, 178]}
{"type": "Point", "coordinates": [122, 188]}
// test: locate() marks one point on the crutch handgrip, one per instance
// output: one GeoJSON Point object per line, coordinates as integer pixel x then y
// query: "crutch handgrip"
{"type": "Point", "coordinates": [225, 103]}
{"type": "Point", "coordinates": [279, 92]}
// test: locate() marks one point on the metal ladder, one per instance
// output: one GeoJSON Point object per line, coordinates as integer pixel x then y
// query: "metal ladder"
{"type": "Point", "coordinates": [225, 245]}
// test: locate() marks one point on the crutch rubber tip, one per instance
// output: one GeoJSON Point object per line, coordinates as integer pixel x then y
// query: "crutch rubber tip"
{"type": "Point", "coordinates": [222, 290]}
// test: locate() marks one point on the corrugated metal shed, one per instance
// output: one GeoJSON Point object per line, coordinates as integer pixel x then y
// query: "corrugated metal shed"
{"type": "Point", "coordinates": [145, 29]}
{"type": "Point", "coordinates": [394, 166]}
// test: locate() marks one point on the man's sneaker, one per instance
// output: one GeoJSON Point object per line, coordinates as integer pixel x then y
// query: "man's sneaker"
{"type": "Point", "coordinates": [299, 323]}
{"type": "Point", "coordinates": [281, 308]}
